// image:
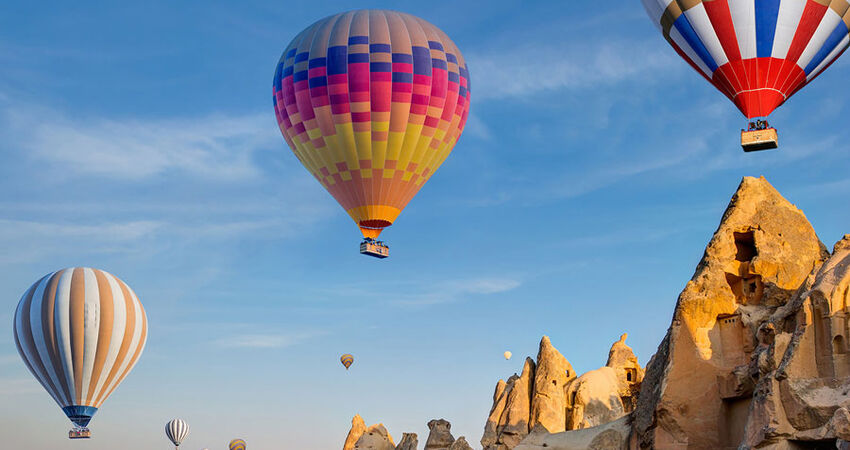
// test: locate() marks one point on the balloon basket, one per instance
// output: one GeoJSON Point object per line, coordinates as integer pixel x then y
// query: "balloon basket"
{"type": "Point", "coordinates": [756, 140]}
{"type": "Point", "coordinates": [377, 249]}
{"type": "Point", "coordinates": [79, 433]}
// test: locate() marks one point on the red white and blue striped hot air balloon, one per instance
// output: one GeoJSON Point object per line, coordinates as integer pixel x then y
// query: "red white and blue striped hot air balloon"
{"type": "Point", "coordinates": [80, 331]}
{"type": "Point", "coordinates": [372, 102]}
{"type": "Point", "coordinates": [756, 52]}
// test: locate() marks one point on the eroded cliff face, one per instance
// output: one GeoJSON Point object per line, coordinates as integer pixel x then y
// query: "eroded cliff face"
{"type": "Point", "coordinates": [548, 396]}
{"type": "Point", "coordinates": [757, 354]}
{"type": "Point", "coordinates": [694, 394]}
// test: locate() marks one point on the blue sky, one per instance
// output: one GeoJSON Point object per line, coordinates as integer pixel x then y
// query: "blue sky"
{"type": "Point", "coordinates": [140, 139]}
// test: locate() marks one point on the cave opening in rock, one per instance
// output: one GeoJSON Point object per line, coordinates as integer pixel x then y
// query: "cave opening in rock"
{"type": "Point", "coordinates": [745, 243]}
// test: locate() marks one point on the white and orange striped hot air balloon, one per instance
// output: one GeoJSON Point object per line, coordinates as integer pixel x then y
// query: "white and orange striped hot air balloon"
{"type": "Point", "coordinates": [80, 331]}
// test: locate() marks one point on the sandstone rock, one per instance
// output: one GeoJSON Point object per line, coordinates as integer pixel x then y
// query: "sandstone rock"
{"type": "Point", "coordinates": [594, 399]}
{"type": "Point", "coordinates": [460, 444]}
{"type": "Point", "coordinates": [804, 385]}
{"type": "Point", "coordinates": [500, 399]}
{"type": "Point", "coordinates": [375, 437]}
{"type": "Point", "coordinates": [549, 400]}
{"type": "Point", "coordinates": [409, 441]}
{"type": "Point", "coordinates": [358, 427]}
{"type": "Point", "coordinates": [610, 436]}
{"type": "Point", "coordinates": [440, 435]}
{"type": "Point", "coordinates": [629, 373]}
{"type": "Point", "coordinates": [763, 250]}
{"type": "Point", "coordinates": [518, 408]}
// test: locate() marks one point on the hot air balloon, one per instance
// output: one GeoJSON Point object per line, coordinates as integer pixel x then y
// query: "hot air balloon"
{"type": "Point", "coordinates": [237, 444]}
{"type": "Point", "coordinates": [80, 331]}
{"type": "Point", "coordinates": [372, 102]}
{"type": "Point", "coordinates": [176, 430]}
{"type": "Point", "coordinates": [756, 52]}
{"type": "Point", "coordinates": [508, 355]}
{"type": "Point", "coordinates": [346, 360]}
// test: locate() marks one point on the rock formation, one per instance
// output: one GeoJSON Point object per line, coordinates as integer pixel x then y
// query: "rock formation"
{"type": "Point", "coordinates": [460, 444]}
{"type": "Point", "coordinates": [507, 424]}
{"type": "Point", "coordinates": [610, 436]}
{"type": "Point", "coordinates": [358, 427]}
{"type": "Point", "coordinates": [594, 399]}
{"type": "Point", "coordinates": [695, 393]}
{"type": "Point", "coordinates": [628, 371]}
{"type": "Point", "coordinates": [800, 371]}
{"type": "Point", "coordinates": [548, 396]}
{"type": "Point", "coordinates": [409, 441]}
{"type": "Point", "coordinates": [440, 435]}
{"type": "Point", "coordinates": [374, 437]}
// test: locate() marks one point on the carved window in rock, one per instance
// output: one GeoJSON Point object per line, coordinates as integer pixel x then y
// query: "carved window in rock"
{"type": "Point", "coordinates": [745, 244]}
{"type": "Point", "coordinates": [631, 374]}
{"type": "Point", "coordinates": [731, 339]}
{"type": "Point", "coordinates": [838, 345]}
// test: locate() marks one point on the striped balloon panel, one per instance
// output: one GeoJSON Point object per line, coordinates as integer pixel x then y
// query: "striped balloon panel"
{"type": "Point", "coordinates": [372, 102]}
{"type": "Point", "coordinates": [80, 331]}
{"type": "Point", "coordinates": [237, 444]}
{"type": "Point", "coordinates": [346, 360]}
{"type": "Point", "coordinates": [176, 430]}
{"type": "Point", "coordinates": [756, 52]}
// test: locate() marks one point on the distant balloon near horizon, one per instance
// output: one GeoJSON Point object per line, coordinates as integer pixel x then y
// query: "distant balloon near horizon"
{"type": "Point", "coordinates": [757, 53]}
{"type": "Point", "coordinates": [176, 430]}
{"type": "Point", "coordinates": [80, 331]}
{"type": "Point", "coordinates": [237, 444]}
{"type": "Point", "coordinates": [508, 355]}
{"type": "Point", "coordinates": [346, 360]}
{"type": "Point", "coordinates": [372, 102]}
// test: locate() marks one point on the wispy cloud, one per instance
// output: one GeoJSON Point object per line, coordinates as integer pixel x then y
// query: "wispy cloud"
{"type": "Point", "coordinates": [425, 293]}
{"type": "Point", "coordinates": [266, 340]}
{"type": "Point", "coordinates": [216, 146]}
{"type": "Point", "coordinates": [530, 68]}
{"type": "Point", "coordinates": [455, 290]}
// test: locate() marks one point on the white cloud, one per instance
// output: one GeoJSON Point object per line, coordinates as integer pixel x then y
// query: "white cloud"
{"type": "Point", "coordinates": [266, 340]}
{"type": "Point", "coordinates": [215, 146]}
{"type": "Point", "coordinates": [445, 292]}
{"type": "Point", "coordinates": [531, 69]}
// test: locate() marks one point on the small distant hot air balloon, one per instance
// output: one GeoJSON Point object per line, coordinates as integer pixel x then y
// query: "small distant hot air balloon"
{"type": "Point", "coordinates": [79, 332]}
{"type": "Point", "coordinates": [346, 360]}
{"type": "Point", "coordinates": [176, 430]}
{"type": "Point", "coordinates": [372, 102]}
{"type": "Point", "coordinates": [237, 444]}
{"type": "Point", "coordinates": [756, 52]}
{"type": "Point", "coordinates": [508, 355]}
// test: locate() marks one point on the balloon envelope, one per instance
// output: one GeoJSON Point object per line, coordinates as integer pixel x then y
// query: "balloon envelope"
{"type": "Point", "coordinates": [346, 360]}
{"type": "Point", "coordinates": [371, 102]}
{"type": "Point", "coordinates": [176, 430]}
{"type": "Point", "coordinates": [756, 52]}
{"type": "Point", "coordinates": [508, 355]}
{"type": "Point", "coordinates": [80, 331]}
{"type": "Point", "coordinates": [237, 444]}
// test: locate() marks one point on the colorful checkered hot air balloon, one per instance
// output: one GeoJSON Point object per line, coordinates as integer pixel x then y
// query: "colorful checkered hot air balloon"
{"type": "Point", "coordinates": [237, 444]}
{"type": "Point", "coordinates": [756, 52]}
{"type": "Point", "coordinates": [346, 360]}
{"type": "Point", "coordinates": [80, 331]}
{"type": "Point", "coordinates": [372, 102]}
